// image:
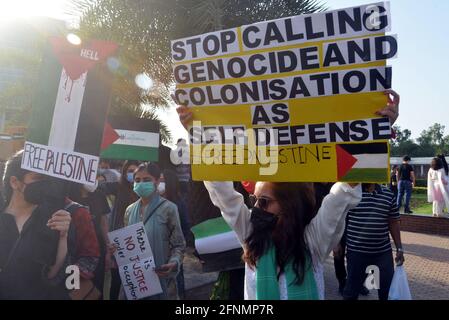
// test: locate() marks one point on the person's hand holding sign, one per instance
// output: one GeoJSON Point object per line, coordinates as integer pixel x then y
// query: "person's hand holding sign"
{"type": "Point", "coordinates": [60, 221]}
{"type": "Point", "coordinates": [392, 109]}
{"type": "Point", "coordinates": [166, 270]}
{"type": "Point", "coordinates": [184, 113]}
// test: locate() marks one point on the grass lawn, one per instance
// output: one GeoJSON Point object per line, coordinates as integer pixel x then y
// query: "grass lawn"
{"type": "Point", "coordinates": [419, 204]}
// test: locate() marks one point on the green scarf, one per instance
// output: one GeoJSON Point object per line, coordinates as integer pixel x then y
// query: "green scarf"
{"type": "Point", "coordinates": [267, 285]}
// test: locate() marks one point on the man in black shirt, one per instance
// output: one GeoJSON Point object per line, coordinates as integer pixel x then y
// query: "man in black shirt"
{"type": "Point", "coordinates": [406, 182]}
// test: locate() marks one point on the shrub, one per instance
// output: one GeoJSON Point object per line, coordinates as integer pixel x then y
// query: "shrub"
{"type": "Point", "coordinates": [419, 190]}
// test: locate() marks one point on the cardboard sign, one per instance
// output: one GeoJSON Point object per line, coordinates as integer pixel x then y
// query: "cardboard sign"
{"type": "Point", "coordinates": [292, 99]}
{"type": "Point", "coordinates": [69, 111]}
{"type": "Point", "coordinates": [136, 262]}
{"type": "Point", "coordinates": [131, 139]}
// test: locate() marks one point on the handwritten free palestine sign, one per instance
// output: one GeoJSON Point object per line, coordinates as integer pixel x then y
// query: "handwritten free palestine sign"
{"type": "Point", "coordinates": [69, 110]}
{"type": "Point", "coordinates": [136, 262]}
{"type": "Point", "coordinates": [308, 88]}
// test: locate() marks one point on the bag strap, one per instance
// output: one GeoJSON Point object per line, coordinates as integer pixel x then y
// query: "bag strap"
{"type": "Point", "coordinates": [153, 211]}
{"type": "Point", "coordinates": [71, 237]}
{"type": "Point", "coordinates": [73, 206]}
{"type": "Point", "coordinates": [90, 291]}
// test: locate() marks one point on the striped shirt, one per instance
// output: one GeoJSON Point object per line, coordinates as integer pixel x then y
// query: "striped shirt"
{"type": "Point", "coordinates": [367, 225]}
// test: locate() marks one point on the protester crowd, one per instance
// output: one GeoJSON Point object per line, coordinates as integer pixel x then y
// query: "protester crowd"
{"type": "Point", "coordinates": [47, 224]}
{"type": "Point", "coordinates": [286, 230]}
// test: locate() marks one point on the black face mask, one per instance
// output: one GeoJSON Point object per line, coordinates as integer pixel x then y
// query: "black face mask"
{"type": "Point", "coordinates": [263, 220]}
{"type": "Point", "coordinates": [42, 191]}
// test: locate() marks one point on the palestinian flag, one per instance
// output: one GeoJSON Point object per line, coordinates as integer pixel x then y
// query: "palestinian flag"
{"type": "Point", "coordinates": [70, 108]}
{"type": "Point", "coordinates": [213, 236]}
{"type": "Point", "coordinates": [217, 246]}
{"type": "Point", "coordinates": [131, 139]}
{"type": "Point", "coordinates": [363, 162]}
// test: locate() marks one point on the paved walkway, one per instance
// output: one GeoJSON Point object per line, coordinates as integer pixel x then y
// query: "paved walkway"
{"type": "Point", "coordinates": [426, 264]}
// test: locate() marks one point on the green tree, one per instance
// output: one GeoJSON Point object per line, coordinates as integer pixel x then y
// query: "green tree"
{"type": "Point", "coordinates": [402, 136]}
{"type": "Point", "coordinates": [433, 140]}
{"type": "Point", "coordinates": [403, 144]}
{"type": "Point", "coordinates": [436, 133]}
{"type": "Point", "coordinates": [430, 142]}
{"type": "Point", "coordinates": [16, 95]}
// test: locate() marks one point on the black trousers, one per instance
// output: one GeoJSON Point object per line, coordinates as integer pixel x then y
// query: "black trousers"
{"type": "Point", "coordinates": [116, 283]}
{"type": "Point", "coordinates": [180, 284]}
{"type": "Point", "coordinates": [357, 264]}
{"type": "Point", "coordinates": [339, 263]}
{"type": "Point", "coordinates": [237, 284]}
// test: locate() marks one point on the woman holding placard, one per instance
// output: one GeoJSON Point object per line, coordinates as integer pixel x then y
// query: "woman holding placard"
{"type": "Point", "coordinates": [161, 220]}
{"type": "Point", "coordinates": [285, 237]}
{"type": "Point", "coordinates": [33, 236]}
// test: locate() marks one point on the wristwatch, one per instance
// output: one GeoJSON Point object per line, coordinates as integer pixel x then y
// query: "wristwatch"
{"type": "Point", "coordinates": [399, 250]}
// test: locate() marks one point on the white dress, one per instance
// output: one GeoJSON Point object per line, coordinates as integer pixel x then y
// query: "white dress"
{"type": "Point", "coordinates": [322, 234]}
{"type": "Point", "coordinates": [437, 190]}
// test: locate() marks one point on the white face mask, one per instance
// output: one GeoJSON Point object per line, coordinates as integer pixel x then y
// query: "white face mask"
{"type": "Point", "coordinates": [161, 187]}
{"type": "Point", "coordinates": [91, 188]}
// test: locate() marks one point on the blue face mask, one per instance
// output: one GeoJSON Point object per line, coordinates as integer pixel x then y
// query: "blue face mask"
{"type": "Point", "coordinates": [144, 189]}
{"type": "Point", "coordinates": [130, 177]}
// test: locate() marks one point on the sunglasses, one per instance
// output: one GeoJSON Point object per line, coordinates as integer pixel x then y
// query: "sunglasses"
{"type": "Point", "coordinates": [263, 202]}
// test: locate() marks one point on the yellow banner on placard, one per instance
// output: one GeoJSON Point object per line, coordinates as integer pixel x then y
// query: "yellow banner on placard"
{"type": "Point", "coordinates": [293, 99]}
{"type": "Point", "coordinates": [302, 111]}
{"type": "Point", "coordinates": [307, 163]}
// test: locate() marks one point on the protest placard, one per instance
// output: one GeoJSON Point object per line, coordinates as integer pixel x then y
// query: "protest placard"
{"type": "Point", "coordinates": [292, 99]}
{"type": "Point", "coordinates": [69, 110]}
{"type": "Point", "coordinates": [135, 261]}
{"type": "Point", "coordinates": [131, 139]}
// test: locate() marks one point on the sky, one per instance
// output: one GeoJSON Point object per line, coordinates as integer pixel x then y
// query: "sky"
{"type": "Point", "coordinates": [25, 8]}
{"type": "Point", "coordinates": [420, 71]}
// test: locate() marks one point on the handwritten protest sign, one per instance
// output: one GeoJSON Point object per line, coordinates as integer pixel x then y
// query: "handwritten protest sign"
{"type": "Point", "coordinates": [136, 262]}
{"type": "Point", "coordinates": [292, 99]}
{"type": "Point", "coordinates": [69, 111]}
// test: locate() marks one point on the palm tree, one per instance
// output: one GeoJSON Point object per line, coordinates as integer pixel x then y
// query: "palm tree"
{"type": "Point", "coordinates": [19, 65]}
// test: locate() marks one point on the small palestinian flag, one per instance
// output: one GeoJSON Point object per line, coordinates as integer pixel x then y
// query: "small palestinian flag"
{"type": "Point", "coordinates": [131, 139]}
{"type": "Point", "coordinates": [214, 236]}
{"type": "Point", "coordinates": [69, 110]}
{"type": "Point", "coordinates": [363, 162]}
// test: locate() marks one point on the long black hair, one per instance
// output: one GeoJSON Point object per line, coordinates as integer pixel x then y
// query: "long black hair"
{"type": "Point", "coordinates": [436, 164]}
{"type": "Point", "coordinates": [12, 169]}
{"type": "Point", "coordinates": [443, 160]}
{"type": "Point", "coordinates": [298, 206]}
{"type": "Point", "coordinates": [125, 195]}
{"type": "Point", "coordinates": [171, 185]}
{"type": "Point", "coordinates": [151, 168]}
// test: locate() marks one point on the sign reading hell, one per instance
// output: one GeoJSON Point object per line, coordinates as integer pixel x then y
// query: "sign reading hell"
{"type": "Point", "coordinates": [292, 99]}
{"type": "Point", "coordinates": [65, 133]}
